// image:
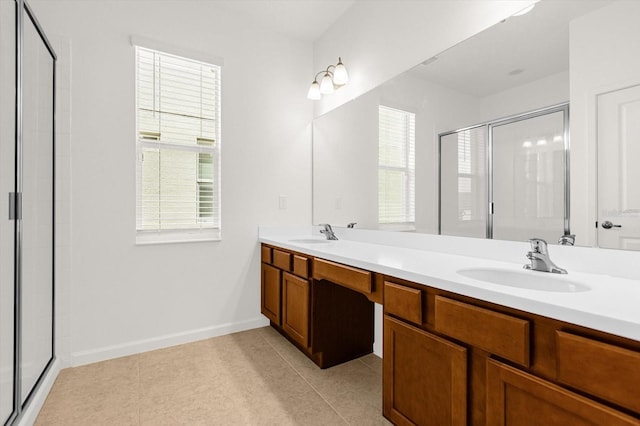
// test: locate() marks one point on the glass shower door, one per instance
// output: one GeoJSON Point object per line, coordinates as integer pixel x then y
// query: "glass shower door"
{"type": "Point", "coordinates": [529, 176]}
{"type": "Point", "coordinates": [7, 185]}
{"type": "Point", "coordinates": [36, 296]}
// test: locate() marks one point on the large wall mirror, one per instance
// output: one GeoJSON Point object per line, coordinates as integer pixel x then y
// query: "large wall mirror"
{"type": "Point", "coordinates": [530, 128]}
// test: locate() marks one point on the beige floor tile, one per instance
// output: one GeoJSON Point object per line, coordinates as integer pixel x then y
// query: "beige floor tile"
{"type": "Point", "coordinates": [350, 388]}
{"type": "Point", "coordinates": [374, 362]}
{"type": "Point", "coordinates": [104, 393]}
{"type": "Point", "coordinates": [251, 378]}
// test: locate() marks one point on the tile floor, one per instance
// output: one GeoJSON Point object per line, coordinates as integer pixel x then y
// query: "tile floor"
{"type": "Point", "coordinates": [254, 377]}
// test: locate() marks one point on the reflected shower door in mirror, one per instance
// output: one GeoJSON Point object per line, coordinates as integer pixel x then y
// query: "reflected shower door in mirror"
{"type": "Point", "coordinates": [619, 169]}
{"type": "Point", "coordinates": [529, 191]}
{"type": "Point", "coordinates": [507, 179]}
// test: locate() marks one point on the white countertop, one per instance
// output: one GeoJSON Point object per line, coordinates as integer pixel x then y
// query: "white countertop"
{"type": "Point", "coordinates": [611, 305]}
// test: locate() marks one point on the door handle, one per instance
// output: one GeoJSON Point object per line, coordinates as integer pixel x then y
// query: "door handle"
{"type": "Point", "coordinates": [608, 225]}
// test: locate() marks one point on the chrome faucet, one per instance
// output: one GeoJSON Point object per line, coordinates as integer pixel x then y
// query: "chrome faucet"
{"type": "Point", "coordinates": [539, 257]}
{"type": "Point", "coordinates": [352, 225]}
{"type": "Point", "coordinates": [567, 240]}
{"type": "Point", "coordinates": [328, 232]}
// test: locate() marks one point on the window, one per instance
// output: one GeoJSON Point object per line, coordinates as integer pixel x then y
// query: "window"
{"type": "Point", "coordinates": [396, 166]}
{"type": "Point", "coordinates": [178, 146]}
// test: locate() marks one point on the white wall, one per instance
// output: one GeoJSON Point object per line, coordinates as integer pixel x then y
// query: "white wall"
{"type": "Point", "coordinates": [547, 91]}
{"type": "Point", "coordinates": [378, 40]}
{"type": "Point", "coordinates": [604, 57]}
{"type": "Point", "coordinates": [127, 298]}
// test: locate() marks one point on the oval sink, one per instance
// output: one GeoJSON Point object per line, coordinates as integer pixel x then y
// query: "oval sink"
{"type": "Point", "coordinates": [530, 280]}
{"type": "Point", "coordinates": [310, 241]}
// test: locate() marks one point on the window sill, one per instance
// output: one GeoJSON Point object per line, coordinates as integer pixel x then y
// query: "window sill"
{"type": "Point", "coordinates": [177, 236]}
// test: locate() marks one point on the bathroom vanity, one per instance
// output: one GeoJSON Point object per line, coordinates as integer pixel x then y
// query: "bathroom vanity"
{"type": "Point", "coordinates": [458, 350]}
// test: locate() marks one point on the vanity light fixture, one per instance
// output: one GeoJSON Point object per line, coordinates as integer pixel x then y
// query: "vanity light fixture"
{"type": "Point", "coordinates": [526, 144]}
{"type": "Point", "coordinates": [335, 76]}
{"type": "Point", "coordinates": [541, 142]}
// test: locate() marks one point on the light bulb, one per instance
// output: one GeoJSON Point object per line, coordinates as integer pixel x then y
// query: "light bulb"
{"type": "Point", "coordinates": [541, 142]}
{"type": "Point", "coordinates": [526, 144]}
{"type": "Point", "coordinates": [326, 85]}
{"type": "Point", "coordinates": [314, 91]}
{"type": "Point", "coordinates": [340, 76]}
{"type": "Point", "coordinates": [557, 138]}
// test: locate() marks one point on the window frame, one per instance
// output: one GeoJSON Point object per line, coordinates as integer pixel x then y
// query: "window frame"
{"type": "Point", "coordinates": [152, 141]}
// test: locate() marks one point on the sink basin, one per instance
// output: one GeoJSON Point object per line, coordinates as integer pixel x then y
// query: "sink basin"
{"type": "Point", "coordinates": [530, 280]}
{"type": "Point", "coordinates": [310, 241]}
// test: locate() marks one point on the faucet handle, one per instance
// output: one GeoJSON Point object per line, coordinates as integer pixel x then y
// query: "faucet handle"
{"type": "Point", "coordinates": [538, 245]}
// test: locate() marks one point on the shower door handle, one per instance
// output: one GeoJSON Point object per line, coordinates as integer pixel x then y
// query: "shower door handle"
{"type": "Point", "coordinates": [15, 206]}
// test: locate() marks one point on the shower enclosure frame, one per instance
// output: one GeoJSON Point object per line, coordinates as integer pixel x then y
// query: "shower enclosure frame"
{"type": "Point", "coordinates": [488, 134]}
{"type": "Point", "coordinates": [24, 10]}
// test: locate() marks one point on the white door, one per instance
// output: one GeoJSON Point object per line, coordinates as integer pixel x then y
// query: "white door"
{"type": "Point", "coordinates": [619, 169]}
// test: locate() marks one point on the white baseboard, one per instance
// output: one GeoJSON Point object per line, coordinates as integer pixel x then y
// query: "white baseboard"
{"type": "Point", "coordinates": [30, 414]}
{"type": "Point", "coordinates": [131, 348]}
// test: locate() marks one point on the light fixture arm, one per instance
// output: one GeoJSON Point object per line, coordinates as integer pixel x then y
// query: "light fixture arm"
{"type": "Point", "coordinates": [325, 72]}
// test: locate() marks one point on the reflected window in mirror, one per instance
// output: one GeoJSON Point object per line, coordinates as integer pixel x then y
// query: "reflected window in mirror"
{"type": "Point", "coordinates": [396, 168]}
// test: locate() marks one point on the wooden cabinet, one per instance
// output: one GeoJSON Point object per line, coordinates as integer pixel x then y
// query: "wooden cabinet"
{"type": "Point", "coordinates": [295, 308]}
{"type": "Point", "coordinates": [442, 365]}
{"type": "Point", "coordinates": [521, 399]}
{"type": "Point", "coordinates": [328, 321]}
{"type": "Point", "coordinates": [271, 293]}
{"type": "Point", "coordinates": [451, 359]}
{"type": "Point", "coordinates": [425, 377]}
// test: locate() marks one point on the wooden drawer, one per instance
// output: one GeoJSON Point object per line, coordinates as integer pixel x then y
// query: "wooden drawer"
{"type": "Point", "coordinates": [353, 278]}
{"type": "Point", "coordinates": [282, 259]}
{"type": "Point", "coordinates": [266, 254]}
{"type": "Point", "coordinates": [402, 301]}
{"type": "Point", "coordinates": [301, 266]}
{"type": "Point", "coordinates": [500, 334]}
{"type": "Point", "coordinates": [606, 371]}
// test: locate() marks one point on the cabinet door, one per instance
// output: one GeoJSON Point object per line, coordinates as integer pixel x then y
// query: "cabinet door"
{"type": "Point", "coordinates": [517, 398]}
{"type": "Point", "coordinates": [271, 293]}
{"type": "Point", "coordinates": [424, 377]}
{"type": "Point", "coordinates": [295, 308]}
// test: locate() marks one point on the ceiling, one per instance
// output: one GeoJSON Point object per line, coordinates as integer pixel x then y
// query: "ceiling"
{"type": "Point", "coordinates": [517, 51]}
{"type": "Point", "coordinates": [304, 20]}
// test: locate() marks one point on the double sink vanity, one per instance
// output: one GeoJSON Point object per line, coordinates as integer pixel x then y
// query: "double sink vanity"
{"type": "Point", "coordinates": [467, 338]}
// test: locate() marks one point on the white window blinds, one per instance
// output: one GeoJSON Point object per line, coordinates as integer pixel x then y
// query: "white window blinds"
{"type": "Point", "coordinates": [396, 166]}
{"type": "Point", "coordinates": [178, 143]}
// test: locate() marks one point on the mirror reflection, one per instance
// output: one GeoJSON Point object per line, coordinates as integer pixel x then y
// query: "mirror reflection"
{"type": "Point", "coordinates": [395, 159]}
